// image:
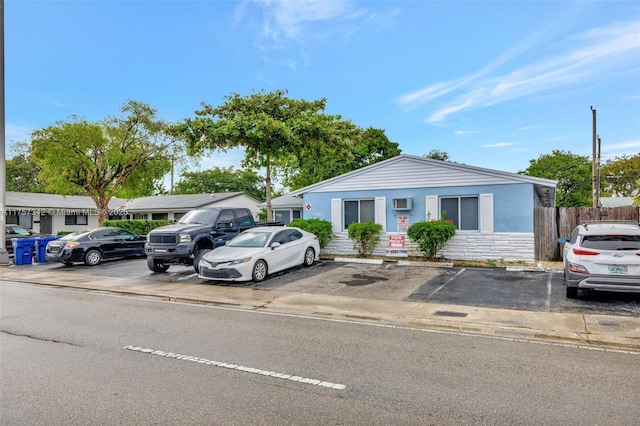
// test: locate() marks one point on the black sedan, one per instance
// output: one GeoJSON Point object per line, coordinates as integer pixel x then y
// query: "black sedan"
{"type": "Point", "coordinates": [95, 245]}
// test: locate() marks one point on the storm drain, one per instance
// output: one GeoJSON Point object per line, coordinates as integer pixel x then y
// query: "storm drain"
{"type": "Point", "coordinates": [451, 314]}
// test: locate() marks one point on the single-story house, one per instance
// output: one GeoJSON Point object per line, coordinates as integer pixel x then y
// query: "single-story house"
{"type": "Point", "coordinates": [51, 213]}
{"type": "Point", "coordinates": [285, 208]}
{"type": "Point", "coordinates": [493, 210]}
{"type": "Point", "coordinates": [616, 201]}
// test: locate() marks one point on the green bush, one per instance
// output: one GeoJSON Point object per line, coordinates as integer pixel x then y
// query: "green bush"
{"type": "Point", "coordinates": [137, 226]}
{"type": "Point", "coordinates": [320, 227]}
{"type": "Point", "coordinates": [431, 236]}
{"type": "Point", "coordinates": [365, 236]}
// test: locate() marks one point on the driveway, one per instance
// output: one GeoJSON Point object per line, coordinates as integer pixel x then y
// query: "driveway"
{"type": "Point", "coordinates": [541, 291]}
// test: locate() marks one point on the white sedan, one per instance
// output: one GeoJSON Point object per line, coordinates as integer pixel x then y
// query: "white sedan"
{"type": "Point", "coordinates": [257, 252]}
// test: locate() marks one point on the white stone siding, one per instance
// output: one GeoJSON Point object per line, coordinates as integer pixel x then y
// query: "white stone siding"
{"type": "Point", "coordinates": [497, 246]}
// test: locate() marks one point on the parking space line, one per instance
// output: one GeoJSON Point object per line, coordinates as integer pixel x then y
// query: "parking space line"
{"type": "Point", "coordinates": [447, 282]}
{"type": "Point", "coordinates": [547, 302]}
{"type": "Point", "coordinates": [293, 378]}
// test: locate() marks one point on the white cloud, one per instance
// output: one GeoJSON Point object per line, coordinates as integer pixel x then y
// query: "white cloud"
{"type": "Point", "coordinates": [498, 144]}
{"type": "Point", "coordinates": [598, 52]}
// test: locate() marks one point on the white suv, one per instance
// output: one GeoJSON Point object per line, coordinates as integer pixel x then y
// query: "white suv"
{"type": "Point", "coordinates": [602, 255]}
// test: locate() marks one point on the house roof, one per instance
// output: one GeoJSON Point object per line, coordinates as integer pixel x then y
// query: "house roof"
{"type": "Point", "coordinates": [183, 201]}
{"type": "Point", "coordinates": [616, 201]}
{"type": "Point", "coordinates": [53, 201]}
{"type": "Point", "coordinates": [410, 171]}
{"type": "Point", "coordinates": [286, 201]}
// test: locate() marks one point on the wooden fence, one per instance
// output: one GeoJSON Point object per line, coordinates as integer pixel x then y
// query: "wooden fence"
{"type": "Point", "coordinates": [549, 223]}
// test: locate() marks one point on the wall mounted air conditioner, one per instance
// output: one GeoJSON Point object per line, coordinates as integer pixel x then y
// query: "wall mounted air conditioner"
{"type": "Point", "coordinates": [402, 204]}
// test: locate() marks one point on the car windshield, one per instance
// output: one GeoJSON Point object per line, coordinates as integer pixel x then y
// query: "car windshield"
{"type": "Point", "coordinates": [250, 239]}
{"type": "Point", "coordinates": [612, 242]}
{"type": "Point", "coordinates": [20, 231]}
{"type": "Point", "coordinates": [205, 217]}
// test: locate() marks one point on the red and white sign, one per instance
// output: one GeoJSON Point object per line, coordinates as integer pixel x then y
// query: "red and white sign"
{"type": "Point", "coordinates": [307, 206]}
{"type": "Point", "coordinates": [396, 242]}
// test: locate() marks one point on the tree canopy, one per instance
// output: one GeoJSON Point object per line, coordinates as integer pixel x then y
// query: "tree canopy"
{"type": "Point", "coordinates": [22, 174]}
{"type": "Point", "coordinates": [352, 149]}
{"type": "Point", "coordinates": [621, 175]}
{"type": "Point", "coordinates": [269, 126]}
{"type": "Point", "coordinates": [573, 173]}
{"type": "Point", "coordinates": [222, 180]}
{"type": "Point", "coordinates": [436, 154]}
{"type": "Point", "coordinates": [125, 154]}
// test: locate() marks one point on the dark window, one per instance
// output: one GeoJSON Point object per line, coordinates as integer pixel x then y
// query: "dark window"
{"type": "Point", "coordinates": [281, 237]}
{"type": "Point", "coordinates": [294, 235]}
{"type": "Point", "coordinates": [75, 219]}
{"type": "Point", "coordinates": [244, 218]}
{"type": "Point", "coordinates": [159, 216]}
{"type": "Point", "coordinates": [462, 211]}
{"type": "Point", "coordinates": [142, 216]}
{"type": "Point", "coordinates": [123, 234]}
{"type": "Point", "coordinates": [358, 211]}
{"type": "Point", "coordinates": [226, 218]}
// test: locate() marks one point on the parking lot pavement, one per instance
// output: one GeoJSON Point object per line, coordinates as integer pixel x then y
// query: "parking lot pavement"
{"type": "Point", "coordinates": [527, 304]}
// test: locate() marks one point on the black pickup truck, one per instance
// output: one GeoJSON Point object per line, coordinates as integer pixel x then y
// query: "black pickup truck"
{"type": "Point", "coordinates": [197, 232]}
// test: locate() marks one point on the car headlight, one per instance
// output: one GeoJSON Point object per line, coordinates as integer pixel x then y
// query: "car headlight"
{"type": "Point", "coordinates": [238, 261]}
{"type": "Point", "coordinates": [184, 238]}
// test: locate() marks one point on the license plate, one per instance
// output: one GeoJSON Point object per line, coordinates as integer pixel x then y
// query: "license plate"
{"type": "Point", "coordinates": [618, 269]}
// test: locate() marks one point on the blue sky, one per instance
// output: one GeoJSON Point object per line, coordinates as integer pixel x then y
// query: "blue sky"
{"type": "Point", "coordinates": [493, 83]}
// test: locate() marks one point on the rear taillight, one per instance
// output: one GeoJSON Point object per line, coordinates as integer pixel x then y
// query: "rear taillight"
{"type": "Point", "coordinates": [71, 244]}
{"type": "Point", "coordinates": [576, 268]}
{"type": "Point", "coordinates": [582, 252]}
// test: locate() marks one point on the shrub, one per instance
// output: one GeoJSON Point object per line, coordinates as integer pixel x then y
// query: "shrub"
{"type": "Point", "coordinates": [365, 236]}
{"type": "Point", "coordinates": [320, 227]}
{"type": "Point", "coordinates": [431, 236]}
{"type": "Point", "coordinates": [137, 226]}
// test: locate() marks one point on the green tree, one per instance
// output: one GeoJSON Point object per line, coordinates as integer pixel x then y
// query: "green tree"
{"type": "Point", "coordinates": [268, 125]}
{"type": "Point", "coordinates": [350, 149]}
{"type": "Point", "coordinates": [222, 180]}
{"type": "Point", "coordinates": [122, 154]}
{"type": "Point", "coordinates": [22, 174]}
{"type": "Point", "coordinates": [620, 176]}
{"type": "Point", "coordinates": [436, 154]}
{"type": "Point", "coordinates": [572, 172]}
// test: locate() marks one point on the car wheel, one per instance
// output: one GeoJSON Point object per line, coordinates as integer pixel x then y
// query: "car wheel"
{"type": "Point", "coordinates": [156, 266]}
{"type": "Point", "coordinates": [259, 271]}
{"type": "Point", "coordinates": [92, 257]}
{"type": "Point", "coordinates": [309, 256]}
{"type": "Point", "coordinates": [572, 292]}
{"type": "Point", "coordinates": [198, 258]}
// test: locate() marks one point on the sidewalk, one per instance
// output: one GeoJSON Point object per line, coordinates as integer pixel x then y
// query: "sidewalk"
{"type": "Point", "coordinates": [592, 330]}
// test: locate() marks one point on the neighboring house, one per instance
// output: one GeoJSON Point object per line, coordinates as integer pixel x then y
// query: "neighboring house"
{"type": "Point", "coordinates": [51, 213]}
{"type": "Point", "coordinates": [285, 208]}
{"type": "Point", "coordinates": [173, 207]}
{"type": "Point", "coordinates": [493, 210]}
{"type": "Point", "coordinates": [616, 201]}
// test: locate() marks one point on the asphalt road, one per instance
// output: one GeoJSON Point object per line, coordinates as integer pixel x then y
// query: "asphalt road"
{"type": "Point", "coordinates": [542, 291]}
{"type": "Point", "coordinates": [75, 358]}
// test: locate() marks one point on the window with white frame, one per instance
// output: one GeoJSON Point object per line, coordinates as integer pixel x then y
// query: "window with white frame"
{"type": "Point", "coordinates": [358, 211]}
{"type": "Point", "coordinates": [463, 211]}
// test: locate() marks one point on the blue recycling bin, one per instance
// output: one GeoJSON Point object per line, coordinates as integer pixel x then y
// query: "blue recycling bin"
{"type": "Point", "coordinates": [41, 247]}
{"type": "Point", "coordinates": [23, 250]}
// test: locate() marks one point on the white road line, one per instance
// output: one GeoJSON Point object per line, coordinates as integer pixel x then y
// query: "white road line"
{"type": "Point", "coordinates": [308, 381]}
{"type": "Point", "coordinates": [547, 302]}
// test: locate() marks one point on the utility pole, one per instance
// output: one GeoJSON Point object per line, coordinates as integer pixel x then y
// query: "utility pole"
{"type": "Point", "coordinates": [594, 165]}
{"type": "Point", "coordinates": [4, 254]}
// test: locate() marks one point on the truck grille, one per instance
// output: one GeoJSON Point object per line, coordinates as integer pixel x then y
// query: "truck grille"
{"type": "Point", "coordinates": [163, 239]}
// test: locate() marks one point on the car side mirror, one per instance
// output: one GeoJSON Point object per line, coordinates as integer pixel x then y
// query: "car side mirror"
{"type": "Point", "coordinates": [275, 245]}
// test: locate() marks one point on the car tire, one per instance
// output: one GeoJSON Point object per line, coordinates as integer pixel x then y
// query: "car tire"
{"type": "Point", "coordinates": [260, 271]}
{"type": "Point", "coordinates": [309, 256]}
{"type": "Point", "coordinates": [156, 266]}
{"type": "Point", "coordinates": [572, 292]}
{"type": "Point", "coordinates": [198, 258]}
{"type": "Point", "coordinates": [92, 257]}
